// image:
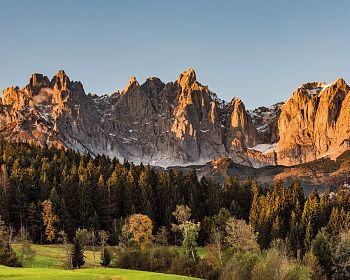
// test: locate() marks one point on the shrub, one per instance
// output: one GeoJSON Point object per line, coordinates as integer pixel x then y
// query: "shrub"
{"type": "Point", "coordinates": [160, 258]}
{"type": "Point", "coordinates": [321, 248]}
{"type": "Point", "coordinates": [274, 264]}
{"type": "Point", "coordinates": [152, 259]}
{"type": "Point", "coordinates": [182, 265]}
{"type": "Point", "coordinates": [7, 256]}
{"type": "Point", "coordinates": [341, 257]}
{"type": "Point", "coordinates": [105, 257]}
{"type": "Point", "coordinates": [239, 266]}
{"type": "Point", "coordinates": [312, 264]}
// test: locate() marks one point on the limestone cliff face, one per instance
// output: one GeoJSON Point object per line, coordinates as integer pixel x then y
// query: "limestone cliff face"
{"type": "Point", "coordinates": [240, 130]}
{"type": "Point", "coordinates": [177, 123]}
{"type": "Point", "coordinates": [314, 122]}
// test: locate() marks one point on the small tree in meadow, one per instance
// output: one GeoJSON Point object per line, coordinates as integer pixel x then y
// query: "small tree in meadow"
{"type": "Point", "coordinates": [105, 257]}
{"type": "Point", "coordinates": [190, 232]}
{"type": "Point", "coordinates": [78, 258]}
{"type": "Point", "coordinates": [140, 227]}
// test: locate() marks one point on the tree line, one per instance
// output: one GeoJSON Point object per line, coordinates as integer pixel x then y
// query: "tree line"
{"type": "Point", "coordinates": [47, 191]}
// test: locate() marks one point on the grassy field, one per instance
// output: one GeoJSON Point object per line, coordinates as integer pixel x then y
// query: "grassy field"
{"type": "Point", "coordinates": [49, 262]}
{"type": "Point", "coordinates": [83, 274]}
{"type": "Point", "coordinates": [53, 256]}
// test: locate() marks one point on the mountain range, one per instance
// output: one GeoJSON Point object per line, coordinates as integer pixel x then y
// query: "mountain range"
{"type": "Point", "coordinates": [179, 123]}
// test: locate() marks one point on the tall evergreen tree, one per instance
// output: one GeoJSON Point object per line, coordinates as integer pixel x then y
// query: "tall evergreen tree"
{"type": "Point", "coordinates": [78, 258]}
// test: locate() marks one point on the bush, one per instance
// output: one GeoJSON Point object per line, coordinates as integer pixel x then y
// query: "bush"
{"type": "Point", "coordinates": [8, 257]}
{"type": "Point", "coordinates": [312, 264]}
{"type": "Point", "coordinates": [341, 257]}
{"type": "Point", "coordinates": [182, 265]}
{"type": "Point", "coordinates": [274, 264]}
{"type": "Point", "coordinates": [160, 259]}
{"type": "Point", "coordinates": [321, 248]}
{"type": "Point", "coordinates": [206, 271]}
{"type": "Point", "coordinates": [105, 257]}
{"type": "Point", "coordinates": [240, 266]}
{"type": "Point", "coordinates": [129, 259]}
{"type": "Point", "coordinates": [157, 259]}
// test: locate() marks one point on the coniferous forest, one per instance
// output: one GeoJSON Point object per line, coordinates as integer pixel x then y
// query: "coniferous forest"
{"type": "Point", "coordinates": [46, 191]}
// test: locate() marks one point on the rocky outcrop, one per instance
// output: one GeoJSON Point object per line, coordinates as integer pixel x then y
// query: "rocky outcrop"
{"type": "Point", "coordinates": [265, 120]}
{"type": "Point", "coordinates": [314, 123]}
{"type": "Point", "coordinates": [177, 123]}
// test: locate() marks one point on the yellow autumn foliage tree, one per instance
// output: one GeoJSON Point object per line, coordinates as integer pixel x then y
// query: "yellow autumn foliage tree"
{"type": "Point", "coordinates": [49, 218]}
{"type": "Point", "coordinates": [140, 227]}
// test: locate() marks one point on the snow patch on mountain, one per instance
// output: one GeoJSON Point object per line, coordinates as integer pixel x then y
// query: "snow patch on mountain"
{"type": "Point", "coordinates": [264, 148]}
{"type": "Point", "coordinates": [264, 120]}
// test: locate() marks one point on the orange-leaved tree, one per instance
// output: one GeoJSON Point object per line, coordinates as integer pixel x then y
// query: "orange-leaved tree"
{"type": "Point", "coordinates": [49, 218]}
{"type": "Point", "coordinates": [140, 227]}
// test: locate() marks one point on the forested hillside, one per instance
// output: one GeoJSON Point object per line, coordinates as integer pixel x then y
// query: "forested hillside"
{"type": "Point", "coordinates": [47, 190]}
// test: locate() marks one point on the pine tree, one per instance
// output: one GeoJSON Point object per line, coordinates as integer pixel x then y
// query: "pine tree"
{"type": "Point", "coordinates": [293, 235]}
{"type": "Point", "coordinates": [7, 256]}
{"type": "Point", "coordinates": [78, 258]}
{"type": "Point", "coordinates": [103, 205]}
{"type": "Point", "coordinates": [105, 257]}
{"type": "Point", "coordinates": [321, 248]}
{"type": "Point", "coordinates": [334, 222]}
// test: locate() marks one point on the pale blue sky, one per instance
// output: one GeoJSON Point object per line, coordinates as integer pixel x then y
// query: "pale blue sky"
{"type": "Point", "coordinates": [259, 51]}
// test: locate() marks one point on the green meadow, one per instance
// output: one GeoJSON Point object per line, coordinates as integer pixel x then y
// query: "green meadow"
{"type": "Point", "coordinates": [49, 263]}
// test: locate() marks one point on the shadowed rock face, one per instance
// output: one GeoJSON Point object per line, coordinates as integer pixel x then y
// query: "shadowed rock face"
{"type": "Point", "coordinates": [177, 123]}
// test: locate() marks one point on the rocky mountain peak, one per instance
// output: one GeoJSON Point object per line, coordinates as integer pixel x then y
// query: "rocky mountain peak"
{"type": "Point", "coordinates": [265, 120]}
{"type": "Point", "coordinates": [314, 125]}
{"type": "Point", "coordinates": [340, 84]}
{"type": "Point", "coordinates": [236, 102]}
{"type": "Point", "coordinates": [153, 82]}
{"type": "Point", "coordinates": [187, 78]}
{"type": "Point", "coordinates": [60, 73]}
{"type": "Point", "coordinates": [180, 122]}
{"type": "Point", "coordinates": [132, 83]}
{"type": "Point", "coordinates": [153, 87]}
{"type": "Point", "coordinates": [60, 80]}
{"type": "Point", "coordinates": [38, 79]}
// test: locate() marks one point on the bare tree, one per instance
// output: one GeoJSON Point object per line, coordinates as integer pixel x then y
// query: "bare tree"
{"type": "Point", "coordinates": [93, 239]}
{"type": "Point", "coordinates": [240, 235]}
{"type": "Point", "coordinates": [216, 246]}
{"type": "Point", "coordinates": [3, 231]}
{"type": "Point", "coordinates": [103, 235]}
{"type": "Point", "coordinates": [161, 236]}
{"type": "Point", "coordinates": [26, 253]}
{"type": "Point", "coordinates": [10, 234]}
{"type": "Point", "coordinates": [64, 239]}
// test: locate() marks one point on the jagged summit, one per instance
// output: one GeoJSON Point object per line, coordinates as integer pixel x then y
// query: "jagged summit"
{"type": "Point", "coordinates": [340, 83]}
{"type": "Point", "coordinates": [131, 83]}
{"type": "Point", "coordinates": [313, 87]}
{"type": "Point", "coordinates": [187, 77]}
{"type": "Point", "coordinates": [37, 79]}
{"type": "Point", "coordinates": [179, 122]}
{"type": "Point", "coordinates": [60, 73]}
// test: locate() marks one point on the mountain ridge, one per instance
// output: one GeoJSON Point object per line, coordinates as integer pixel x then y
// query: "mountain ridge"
{"type": "Point", "coordinates": [178, 123]}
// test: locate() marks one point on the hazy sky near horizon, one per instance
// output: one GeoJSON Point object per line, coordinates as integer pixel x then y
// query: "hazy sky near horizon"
{"type": "Point", "coordinates": [257, 50]}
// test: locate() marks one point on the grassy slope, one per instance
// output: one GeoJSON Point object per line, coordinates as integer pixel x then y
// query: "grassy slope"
{"type": "Point", "coordinates": [53, 256]}
{"type": "Point", "coordinates": [86, 274]}
{"type": "Point", "coordinates": [49, 261]}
